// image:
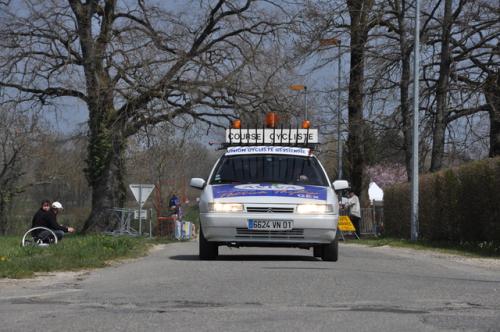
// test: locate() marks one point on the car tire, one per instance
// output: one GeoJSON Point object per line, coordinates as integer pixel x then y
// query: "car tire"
{"type": "Point", "coordinates": [331, 251]}
{"type": "Point", "coordinates": [208, 250]}
{"type": "Point", "coordinates": [317, 251]}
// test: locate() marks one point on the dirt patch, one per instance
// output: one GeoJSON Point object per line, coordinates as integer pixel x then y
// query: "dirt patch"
{"type": "Point", "coordinates": [46, 279]}
{"type": "Point", "coordinates": [157, 247]}
{"type": "Point", "coordinates": [120, 261]}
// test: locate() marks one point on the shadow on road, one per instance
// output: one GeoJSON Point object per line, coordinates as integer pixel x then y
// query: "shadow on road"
{"type": "Point", "coordinates": [286, 258]}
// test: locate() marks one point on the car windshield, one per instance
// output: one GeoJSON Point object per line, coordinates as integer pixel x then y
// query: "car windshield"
{"type": "Point", "coordinates": [269, 169]}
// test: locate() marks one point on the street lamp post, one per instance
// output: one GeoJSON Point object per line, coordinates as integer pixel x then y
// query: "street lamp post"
{"type": "Point", "coordinates": [305, 101]}
{"type": "Point", "coordinates": [337, 42]}
{"type": "Point", "coordinates": [414, 166]}
{"type": "Point", "coordinates": [300, 87]}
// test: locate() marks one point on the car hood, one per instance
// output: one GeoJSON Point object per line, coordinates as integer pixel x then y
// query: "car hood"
{"type": "Point", "coordinates": [269, 193]}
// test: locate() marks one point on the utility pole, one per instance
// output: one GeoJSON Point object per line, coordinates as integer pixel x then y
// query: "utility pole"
{"type": "Point", "coordinates": [414, 177]}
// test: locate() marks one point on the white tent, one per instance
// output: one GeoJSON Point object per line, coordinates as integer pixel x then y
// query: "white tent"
{"type": "Point", "coordinates": [375, 193]}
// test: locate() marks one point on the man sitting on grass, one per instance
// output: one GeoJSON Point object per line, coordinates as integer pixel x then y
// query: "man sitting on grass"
{"type": "Point", "coordinates": [46, 217]}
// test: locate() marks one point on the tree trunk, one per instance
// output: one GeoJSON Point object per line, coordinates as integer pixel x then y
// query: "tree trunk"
{"type": "Point", "coordinates": [3, 217]}
{"type": "Point", "coordinates": [440, 122]}
{"type": "Point", "coordinates": [107, 140]}
{"type": "Point", "coordinates": [404, 85]}
{"type": "Point", "coordinates": [105, 168]}
{"type": "Point", "coordinates": [358, 10]}
{"type": "Point", "coordinates": [492, 93]}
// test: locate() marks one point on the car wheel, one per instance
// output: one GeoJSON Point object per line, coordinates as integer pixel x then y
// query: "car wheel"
{"type": "Point", "coordinates": [208, 250]}
{"type": "Point", "coordinates": [317, 251]}
{"type": "Point", "coordinates": [331, 251]}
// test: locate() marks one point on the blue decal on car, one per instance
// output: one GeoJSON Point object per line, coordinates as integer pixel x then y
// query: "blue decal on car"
{"type": "Point", "coordinates": [269, 189]}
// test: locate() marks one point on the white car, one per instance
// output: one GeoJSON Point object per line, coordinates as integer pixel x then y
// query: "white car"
{"type": "Point", "coordinates": [268, 196]}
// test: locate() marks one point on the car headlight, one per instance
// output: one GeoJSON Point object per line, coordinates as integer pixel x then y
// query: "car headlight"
{"type": "Point", "coordinates": [225, 207]}
{"type": "Point", "coordinates": [314, 208]}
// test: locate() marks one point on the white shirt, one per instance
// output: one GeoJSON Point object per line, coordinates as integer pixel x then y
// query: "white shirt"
{"type": "Point", "coordinates": [354, 207]}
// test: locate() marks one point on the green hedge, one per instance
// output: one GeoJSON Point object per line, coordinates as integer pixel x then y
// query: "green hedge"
{"type": "Point", "coordinates": [455, 205]}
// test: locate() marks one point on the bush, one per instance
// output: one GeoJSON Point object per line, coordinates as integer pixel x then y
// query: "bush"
{"type": "Point", "coordinates": [396, 210]}
{"type": "Point", "coordinates": [460, 205]}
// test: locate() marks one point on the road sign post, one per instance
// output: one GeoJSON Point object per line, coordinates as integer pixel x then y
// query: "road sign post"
{"type": "Point", "coordinates": [141, 193]}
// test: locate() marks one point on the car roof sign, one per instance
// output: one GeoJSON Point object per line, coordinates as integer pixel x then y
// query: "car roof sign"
{"type": "Point", "coordinates": [282, 136]}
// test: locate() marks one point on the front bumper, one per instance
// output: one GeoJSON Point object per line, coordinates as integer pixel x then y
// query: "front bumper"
{"type": "Point", "coordinates": [232, 228]}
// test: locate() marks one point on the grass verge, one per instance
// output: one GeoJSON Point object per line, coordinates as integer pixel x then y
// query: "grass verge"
{"type": "Point", "coordinates": [75, 252]}
{"type": "Point", "coordinates": [470, 249]}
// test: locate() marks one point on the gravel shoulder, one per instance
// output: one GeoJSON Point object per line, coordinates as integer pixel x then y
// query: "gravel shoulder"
{"type": "Point", "coordinates": [487, 263]}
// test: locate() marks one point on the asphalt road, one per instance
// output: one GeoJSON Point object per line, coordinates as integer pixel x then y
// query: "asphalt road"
{"type": "Point", "coordinates": [257, 289]}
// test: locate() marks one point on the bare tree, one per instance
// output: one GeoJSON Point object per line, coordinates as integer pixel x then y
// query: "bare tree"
{"type": "Point", "coordinates": [351, 21]}
{"type": "Point", "coordinates": [476, 69]}
{"type": "Point", "coordinates": [457, 55]}
{"type": "Point", "coordinates": [442, 85]}
{"type": "Point", "coordinates": [169, 156]}
{"type": "Point", "coordinates": [390, 55]}
{"type": "Point", "coordinates": [400, 8]}
{"type": "Point", "coordinates": [360, 25]}
{"type": "Point", "coordinates": [492, 95]}
{"type": "Point", "coordinates": [16, 133]}
{"type": "Point", "coordinates": [132, 65]}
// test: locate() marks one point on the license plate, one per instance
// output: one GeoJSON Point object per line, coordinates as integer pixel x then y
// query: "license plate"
{"type": "Point", "coordinates": [270, 225]}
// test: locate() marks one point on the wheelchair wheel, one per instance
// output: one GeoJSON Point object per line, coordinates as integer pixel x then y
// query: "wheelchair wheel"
{"type": "Point", "coordinates": [30, 240]}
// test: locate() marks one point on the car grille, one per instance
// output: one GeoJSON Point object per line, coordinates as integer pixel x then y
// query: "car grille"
{"type": "Point", "coordinates": [296, 233]}
{"type": "Point", "coordinates": [269, 209]}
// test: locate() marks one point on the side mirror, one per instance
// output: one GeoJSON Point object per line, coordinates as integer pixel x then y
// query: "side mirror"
{"type": "Point", "coordinates": [197, 183]}
{"type": "Point", "coordinates": [340, 185]}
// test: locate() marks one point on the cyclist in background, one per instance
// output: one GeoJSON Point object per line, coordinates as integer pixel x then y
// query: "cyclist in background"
{"type": "Point", "coordinates": [174, 206]}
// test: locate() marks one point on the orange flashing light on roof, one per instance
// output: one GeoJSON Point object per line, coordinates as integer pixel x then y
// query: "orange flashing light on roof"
{"type": "Point", "coordinates": [306, 124]}
{"type": "Point", "coordinates": [298, 87]}
{"type": "Point", "coordinates": [236, 124]}
{"type": "Point", "coordinates": [271, 120]}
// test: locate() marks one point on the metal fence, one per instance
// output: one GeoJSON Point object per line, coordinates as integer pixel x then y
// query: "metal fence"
{"type": "Point", "coordinates": [372, 220]}
{"type": "Point", "coordinates": [128, 222]}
